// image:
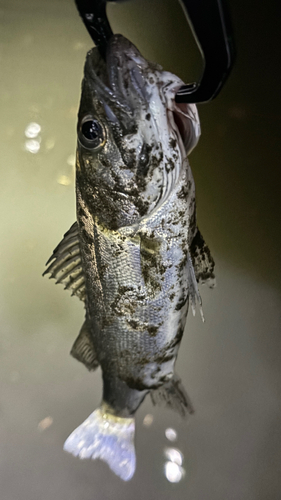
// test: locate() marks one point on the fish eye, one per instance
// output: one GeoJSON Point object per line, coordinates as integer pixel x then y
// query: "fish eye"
{"type": "Point", "coordinates": [91, 134]}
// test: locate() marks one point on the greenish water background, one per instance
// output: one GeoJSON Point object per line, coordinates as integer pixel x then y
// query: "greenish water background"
{"type": "Point", "coordinates": [230, 365]}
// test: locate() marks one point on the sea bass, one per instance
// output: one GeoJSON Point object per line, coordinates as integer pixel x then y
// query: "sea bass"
{"type": "Point", "coordinates": [135, 255]}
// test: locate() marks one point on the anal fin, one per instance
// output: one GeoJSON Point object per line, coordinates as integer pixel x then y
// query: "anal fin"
{"type": "Point", "coordinates": [83, 349]}
{"type": "Point", "coordinates": [173, 395]}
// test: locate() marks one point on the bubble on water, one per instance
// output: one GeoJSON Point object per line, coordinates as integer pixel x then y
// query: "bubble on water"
{"type": "Point", "coordinates": [64, 180]}
{"type": "Point", "coordinates": [45, 423]}
{"type": "Point", "coordinates": [174, 455]}
{"type": "Point", "coordinates": [50, 143]}
{"type": "Point", "coordinates": [32, 130]}
{"type": "Point", "coordinates": [71, 160]}
{"type": "Point", "coordinates": [148, 419]}
{"type": "Point", "coordinates": [32, 145]}
{"type": "Point", "coordinates": [173, 472]}
{"type": "Point", "coordinates": [171, 434]}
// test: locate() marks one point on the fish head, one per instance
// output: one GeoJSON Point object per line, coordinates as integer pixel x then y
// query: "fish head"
{"type": "Point", "coordinates": [132, 136]}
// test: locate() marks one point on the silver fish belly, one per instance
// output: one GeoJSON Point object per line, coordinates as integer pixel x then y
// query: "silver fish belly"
{"type": "Point", "coordinates": [135, 255]}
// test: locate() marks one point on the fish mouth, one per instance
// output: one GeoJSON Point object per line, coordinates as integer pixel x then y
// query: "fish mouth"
{"type": "Point", "coordinates": [136, 99]}
{"type": "Point", "coordinates": [130, 88]}
{"type": "Point", "coordinates": [122, 82]}
{"type": "Point", "coordinates": [128, 72]}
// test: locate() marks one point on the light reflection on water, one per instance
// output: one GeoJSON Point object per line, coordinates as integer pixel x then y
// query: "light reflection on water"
{"type": "Point", "coordinates": [148, 420]}
{"type": "Point", "coordinates": [64, 180]}
{"type": "Point", "coordinates": [32, 131]}
{"type": "Point", "coordinates": [174, 455]}
{"type": "Point", "coordinates": [171, 434]}
{"type": "Point", "coordinates": [32, 145]}
{"type": "Point", "coordinates": [45, 423]}
{"type": "Point", "coordinates": [174, 471]}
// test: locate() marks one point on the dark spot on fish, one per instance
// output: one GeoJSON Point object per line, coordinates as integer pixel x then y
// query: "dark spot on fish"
{"type": "Point", "coordinates": [81, 212]}
{"type": "Point", "coordinates": [183, 261]}
{"type": "Point", "coordinates": [151, 263]}
{"type": "Point", "coordinates": [182, 301]}
{"type": "Point", "coordinates": [89, 239]}
{"type": "Point", "coordinates": [135, 383]}
{"type": "Point", "coordinates": [192, 221]}
{"type": "Point", "coordinates": [176, 339]}
{"type": "Point", "coordinates": [172, 296]}
{"type": "Point", "coordinates": [184, 191]}
{"type": "Point", "coordinates": [173, 143]}
{"type": "Point", "coordinates": [152, 330]}
{"type": "Point", "coordinates": [148, 116]}
{"type": "Point", "coordinates": [133, 323]}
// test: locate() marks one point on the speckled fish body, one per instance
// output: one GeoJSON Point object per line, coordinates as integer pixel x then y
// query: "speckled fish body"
{"type": "Point", "coordinates": [139, 247]}
{"type": "Point", "coordinates": [136, 217]}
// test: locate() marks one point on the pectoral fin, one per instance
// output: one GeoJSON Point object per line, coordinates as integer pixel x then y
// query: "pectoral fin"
{"type": "Point", "coordinates": [200, 270]}
{"type": "Point", "coordinates": [173, 395]}
{"type": "Point", "coordinates": [65, 263]}
{"type": "Point", "coordinates": [83, 349]}
{"type": "Point", "coordinates": [202, 260]}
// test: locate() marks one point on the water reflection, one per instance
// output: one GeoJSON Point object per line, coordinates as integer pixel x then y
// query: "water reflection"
{"type": "Point", "coordinates": [32, 131]}
{"type": "Point", "coordinates": [174, 455]}
{"type": "Point", "coordinates": [173, 469]}
{"type": "Point", "coordinates": [71, 161]}
{"type": "Point", "coordinates": [64, 180]}
{"type": "Point", "coordinates": [45, 423]}
{"type": "Point", "coordinates": [50, 143]}
{"type": "Point", "coordinates": [173, 472]}
{"type": "Point", "coordinates": [32, 145]}
{"type": "Point", "coordinates": [171, 434]}
{"type": "Point", "coordinates": [148, 420]}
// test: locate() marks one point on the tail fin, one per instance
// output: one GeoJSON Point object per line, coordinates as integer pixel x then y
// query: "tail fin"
{"type": "Point", "coordinates": [106, 437]}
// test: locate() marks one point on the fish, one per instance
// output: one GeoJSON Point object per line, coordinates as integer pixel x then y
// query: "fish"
{"type": "Point", "coordinates": [135, 255]}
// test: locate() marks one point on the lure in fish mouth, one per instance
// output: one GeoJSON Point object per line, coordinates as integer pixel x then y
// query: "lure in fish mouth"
{"type": "Point", "coordinates": [135, 255]}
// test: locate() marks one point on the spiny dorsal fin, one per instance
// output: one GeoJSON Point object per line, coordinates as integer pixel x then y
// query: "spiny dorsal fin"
{"type": "Point", "coordinates": [83, 349]}
{"type": "Point", "coordinates": [202, 261]}
{"type": "Point", "coordinates": [65, 263]}
{"type": "Point", "coordinates": [173, 395]}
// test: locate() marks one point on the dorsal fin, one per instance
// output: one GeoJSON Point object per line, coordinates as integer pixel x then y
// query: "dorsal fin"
{"type": "Point", "coordinates": [65, 263]}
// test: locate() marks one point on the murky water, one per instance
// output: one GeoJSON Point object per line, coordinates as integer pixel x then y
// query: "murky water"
{"type": "Point", "coordinates": [230, 448]}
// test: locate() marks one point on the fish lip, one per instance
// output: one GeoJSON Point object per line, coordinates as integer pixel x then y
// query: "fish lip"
{"type": "Point", "coordinates": [97, 75]}
{"type": "Point", "coordinates": [125, 69]}
{"type": "Point", "coordinates": [119, 79]}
